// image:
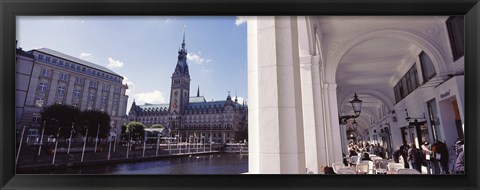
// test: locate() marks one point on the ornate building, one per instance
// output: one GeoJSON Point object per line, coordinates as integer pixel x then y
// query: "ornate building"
{"type": "Point", "coordinates": [45, 77]}
{"type": "Point", "coordinates": [192, 117]}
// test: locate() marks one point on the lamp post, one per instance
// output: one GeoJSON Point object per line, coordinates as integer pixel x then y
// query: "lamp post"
{"type": "Point", "coordinates": [357, 109]}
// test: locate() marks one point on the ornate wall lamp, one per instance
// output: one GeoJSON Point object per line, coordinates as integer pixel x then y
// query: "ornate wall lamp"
{"type": "Point", "coordinates": [357, 109]}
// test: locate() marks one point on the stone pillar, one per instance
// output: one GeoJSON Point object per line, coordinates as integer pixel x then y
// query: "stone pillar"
{"type": "Point", "coordinates": [332, 125]}
{"type": "Point", "coordinates": [278, 130]}
{"type": "Point", "coordinates": [309, 119]}
{"type": "Point", "coordinates": [70, 88]}
{"type": "Point", "coordinates": [109, 106]}
{"type": "Point", "coordinates": [85, 91]}
{"type": "Point", "coordinates": [53, 86]}
{"type": "Point", "coordinates": [253, 126]}
{"type": "Point", "coordinates": [98, 95]}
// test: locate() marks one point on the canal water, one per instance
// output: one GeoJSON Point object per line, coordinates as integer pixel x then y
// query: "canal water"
{"type": "Point", "coordinates": [220, 163]}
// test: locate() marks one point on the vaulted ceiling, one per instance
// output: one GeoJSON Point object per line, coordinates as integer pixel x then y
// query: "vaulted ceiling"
{"type": "Point", "coordinates": [371, 64]}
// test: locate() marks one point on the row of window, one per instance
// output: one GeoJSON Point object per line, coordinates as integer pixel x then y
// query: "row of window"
{"type": "Point", "coordinates": [226, 126]}
{"type": "Point", "coordinates": [93, 84]}
{"type": "Point", "coordinates": [78, 68]}
{"type": "Point", "coordinates": [409, 82]}
{"type": "Point", "coordinates": [187, 117]}
{"type": "Point", "coordinates": [43, 87]}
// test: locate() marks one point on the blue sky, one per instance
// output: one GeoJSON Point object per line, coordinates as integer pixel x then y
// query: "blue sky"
{"type": "Point", "coordinates": [144, 50]}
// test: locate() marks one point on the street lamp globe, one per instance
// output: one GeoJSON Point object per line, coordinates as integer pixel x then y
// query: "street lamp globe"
{"type": "Point", "coordinates": [356, 104]}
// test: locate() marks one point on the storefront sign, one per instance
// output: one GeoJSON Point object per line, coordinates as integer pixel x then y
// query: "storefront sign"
{"type": "Point", "coordinates": [445, 94]}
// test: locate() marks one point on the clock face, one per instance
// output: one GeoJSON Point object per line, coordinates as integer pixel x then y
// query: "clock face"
{"type": "Point", "coordinates": [176, 93]}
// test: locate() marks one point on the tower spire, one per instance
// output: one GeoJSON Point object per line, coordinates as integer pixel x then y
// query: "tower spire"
{"type": "Point", "coordinates": [183, 42]}
{"type": "Point", "coordinates": [198, 91]}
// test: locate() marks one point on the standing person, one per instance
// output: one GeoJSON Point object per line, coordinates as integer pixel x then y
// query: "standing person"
{"type": "Point", "coordinates": [415, 158]}
{"type": "Point", "coordinates": [396, 155]}
{"type": "Point", "coordinates": [444, 158]}
{"type": "Point", "coordinates": [404, 153]}
{"type": "Point", "coordinates": [435, 159]}
{"type": "Point", "coordinates": [381, 151]}
{"type": "Point", "coordinates": [427, 152]}
{"type": "Point", "coordinates": [440, 152]}
{"type": "Point", "coordinates": [460, 163]}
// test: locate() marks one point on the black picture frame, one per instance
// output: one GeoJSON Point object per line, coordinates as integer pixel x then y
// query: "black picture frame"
{"type": "Point", "coordinates": [10, 8]}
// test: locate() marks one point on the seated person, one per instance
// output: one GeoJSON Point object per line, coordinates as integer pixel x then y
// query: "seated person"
{"type": "Point", "coordinates": [366, 157]}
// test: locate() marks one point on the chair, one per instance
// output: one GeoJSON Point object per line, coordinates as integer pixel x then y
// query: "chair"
{"type": "Point", "coordinates": [362, 168]}
{"type": "Point", "coordinates": [380, 166]}
{"type": "Point", "coordinates": [337, 165]}
{"type": "Point", "coordinates": [346, 171]}
{"type": "Point", "coordinates": [376, 164]}
{"type": "Point", "coordinates": [354, 159]}
{"type": "Point", "coordinates": [370, 165]}
{"type": "Point", "coordinates": [407, 171]}
{"type": "Point", "coordinates": [391, 161]}
{"type": "Point", "coordinates": [395, 166]}
{"type": "Point", "coordinates": [373, 158]}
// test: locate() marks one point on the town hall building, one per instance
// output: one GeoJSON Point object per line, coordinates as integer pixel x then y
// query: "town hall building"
{"type": "Point", "coordinates": [192, 118]}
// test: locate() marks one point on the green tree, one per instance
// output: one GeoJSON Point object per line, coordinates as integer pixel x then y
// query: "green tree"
{"type": "Point", "coordinates": [95, 121]}
{"type": "Point", "coordinates": [59, 116]}
{"type": "Point", "coordinates": [123, 133]}
{"type": "Point", "coordinates": [135, 130]}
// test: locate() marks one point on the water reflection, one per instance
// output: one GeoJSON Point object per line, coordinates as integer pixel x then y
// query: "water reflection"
{"type": "Point", "coordinates": [222, 163]}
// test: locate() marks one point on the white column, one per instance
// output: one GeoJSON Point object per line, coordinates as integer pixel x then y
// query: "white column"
{"type": "Point", "coordinates": [319, 107]}
{"type": "Point", "coordinates": [253, 126]}
{"type": "Point", "coordinates": [280, 125]}
{"type": "Point", "coordinates": [309, 119]}
{"type": "Point", "coordinates": [332, 125]}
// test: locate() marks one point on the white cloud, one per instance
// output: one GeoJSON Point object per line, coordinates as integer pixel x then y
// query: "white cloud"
{"type": "Point", "coordinates": [167, 21]}
{"type": "Point", "coordinates": [84, 55]}
{"type": "Point", "coordinates": [208, 60]}
{"type": "Point", "coordinates": [240, 20]}
{"type": "Point", "coordinates": [114, 63]}
{"type": "Point", "coordinates": [196, 58]}
{"type": "Point", "coordinates": [155, 97]}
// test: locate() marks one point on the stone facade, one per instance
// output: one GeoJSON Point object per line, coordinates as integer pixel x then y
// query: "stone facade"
{"type": "Point", "coordinates": [45, 77]}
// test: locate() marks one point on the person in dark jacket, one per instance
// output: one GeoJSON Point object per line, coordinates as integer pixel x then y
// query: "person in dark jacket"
{"type": "Point", "coordinates": [396, 155]}
{"type": "Point", "coordinates": [366, 157]}
{"type": "Point", "coordinates": [415, 158]}
{"type": "Point", "coordinates": [404, 153]}
{"type": "Point", "coordinates": [441, 155]}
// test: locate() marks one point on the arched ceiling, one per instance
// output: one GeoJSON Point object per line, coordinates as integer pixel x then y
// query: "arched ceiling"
{"type": "Point", "coordinates": [371, 64]}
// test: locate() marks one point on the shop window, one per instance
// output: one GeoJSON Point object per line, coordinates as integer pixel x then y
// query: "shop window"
{"type": "Point", "coordinates": [428, 70]}
{"type": "Point", "coordinates": [456, 33]}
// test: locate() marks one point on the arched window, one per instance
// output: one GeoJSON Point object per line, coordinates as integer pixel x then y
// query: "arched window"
{"type": "Point", "coordinates": [428, 70]}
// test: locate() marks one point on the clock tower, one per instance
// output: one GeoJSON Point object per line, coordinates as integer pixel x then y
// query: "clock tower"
{"type": "Point", "coordinates": [180, 87]}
